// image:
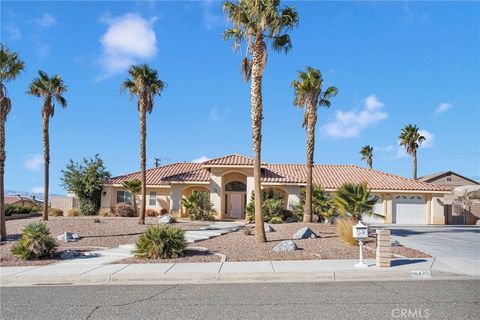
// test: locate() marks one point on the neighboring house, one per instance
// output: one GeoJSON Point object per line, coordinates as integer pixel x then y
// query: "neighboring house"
{"type": "Point", "coordinates": [18, 200]}
{"type": "Point", "coordinates": [229, 181]}
{"type": "Point", "coordinates": [456, 209]}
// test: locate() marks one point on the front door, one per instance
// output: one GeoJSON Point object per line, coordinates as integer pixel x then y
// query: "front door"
{"type": "Point", "coordinates": [236, 205]}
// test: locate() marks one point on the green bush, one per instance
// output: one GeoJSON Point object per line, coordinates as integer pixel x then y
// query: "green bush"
{"type": "Point", "coordinates": [17, 209]}
{"type": "Point", "coordinates": [161, 242]}
{"type": "Point", "coordinates": [88, 207]}
{"type": "Point", "coordinates": [54, 212]}
{"type": "Point", "coordinates": [36, 242]}
{"type": "Point", "coordinates": [124, 210]}
{"type": "Point", "coordinates": [321, 203]}
{"type": "Point", "coordinates": [272, 207]}
{"type": "Point", "coordinates": [198, 206]}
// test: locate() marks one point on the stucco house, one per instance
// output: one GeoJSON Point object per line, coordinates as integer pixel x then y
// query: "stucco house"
{"type": "Point", "coordinates": [229, 181]}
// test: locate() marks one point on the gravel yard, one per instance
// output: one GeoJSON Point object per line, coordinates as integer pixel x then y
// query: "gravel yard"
{"type": "Point", "coordinates": [236, 246]}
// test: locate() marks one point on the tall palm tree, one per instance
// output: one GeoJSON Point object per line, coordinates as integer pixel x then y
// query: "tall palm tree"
{"type": "Point", "coordinates": [356, 200]}
{"type": "Point", "coordinates": [134, 187]}
{"type": "Point", "coordinates": [411, 138]}
{"type": "Point", "coordinates": [367, 154]}
{"type": "Point", "coordinates": [257, 23]}
{"type": "Point", "coordinates": [310, 96]}
{"type": "Point", "coordinates": [10, 68]}
{"type": "Point", "coordinates": [51, 89]}
{"type": "Point", "coordinates": [143, 83]}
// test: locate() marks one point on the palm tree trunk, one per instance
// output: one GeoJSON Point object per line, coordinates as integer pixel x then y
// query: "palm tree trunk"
{"type": "Point", "coordinates": [143, 159]}
{"type": "Point", "coordinates": [311, 122]}
{"type": "Point", "coordinates": [3, 118]}
{"type": "Point", "coordinates": [46, 160]}
{"type": "Point", "coordinates": [414, 157]}
{"type": "Point", "coordinates": [256, 114]}
{"type": "Point", "coordinates": [369, 161]}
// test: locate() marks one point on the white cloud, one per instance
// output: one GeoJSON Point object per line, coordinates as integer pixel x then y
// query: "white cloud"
{"type": "Point", "coordinates": [442, 107]}
{"type": "Point", "coordinates": [397, 151]}
{"type": "Point", "coordinates": [210, 18]}
{"type": "Point", "coordinates": [129, 38]}
{"type": "Point", "coordinates": [47, 20]}
{"type": "Point", "coordinates": [201, 159]}
{"type": "Point", "coordinates": [350, 124]}
{"type": "Point", "coordinates": [14, 32]}
{"type": "Point", "coordinates": [33, 162]}
{"type": "Point", "coordinates": [388, 148]}
{"type": "Point", "coordinates": [428, 142]}
{"type": "Point", "coordinates": [216, 115]}
{"type": "Point", "coordinates": [38, 189]}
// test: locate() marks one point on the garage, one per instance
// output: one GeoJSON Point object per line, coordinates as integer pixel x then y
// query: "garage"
{"type": "Point", "coordinates": [408, 209]}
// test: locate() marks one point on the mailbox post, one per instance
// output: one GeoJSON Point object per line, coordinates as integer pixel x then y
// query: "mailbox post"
{"type": "Point", "coordinates": [360, 232]}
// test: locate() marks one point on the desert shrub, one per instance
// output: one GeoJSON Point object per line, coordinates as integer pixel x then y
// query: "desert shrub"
{"type": "Point", "coordinates": [151, 213]}
{"type": "Point", "coordinates": [161, 242]}
{"type": "Point", "coordinates": [275, 219]}
{"type": "Point", "coordinates": [88, 207]}
{"type": "Point", "coordinates": [198, 206]}
{"type": "Point", "coordinates": [321, 203]}
{"type": "Point", "coordinates": [104, 212]}
{"type": "Point", "coordinates": [163, 211]}
{"type": "Point", "coordinates": [355, 200]}
{"type": "Point", "coordinates": [272, 206]}
{"type": "Point", "coordinates": [14, 209]}
{"type": "Point", "coordinates": [54, 212]}
{"type": "Point", "coordinates": [35, 243]}
{"type": "Point", "coordinates": [72, 213]}
{"type": "Point", "coordinates": [345, 231]}
{"type": "Point", "coordinates": [124, 210]}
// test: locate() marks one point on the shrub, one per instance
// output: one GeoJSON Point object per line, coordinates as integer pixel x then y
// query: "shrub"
{"type": "Point", "coordinates": [345, 231]}
{"type": "Point", "coordinates": [14, 209]}
{"type": "Point", "coordinates": [151, 213]}
{"type": "Point", "coordinates": [35, 243]}
{"type": "Point", "coordinates": [275, 219]}
{"type": "Point", "coordinates": [321, 203]}
{"type": "Point", "coordinates": [104, 212]}
{"type": "Point", "coordinates": [198, 206]}
{"type": "Point", "coordinates": [355, 200]}
{"type": "Point", "coordinates": [272, 206]}
{"type": "Point", "coordinates": [163, 211]}
{"type": "Point", "coordinates": [88, 207]}
{"type": "Point", "coordinates": [72, 213]}
{"type": "Point", "coordinates": [124, 210]}
{"type": "Point", "coordinates": [54, 212]}
{"type": "Point", "coordinates": [161, 242]}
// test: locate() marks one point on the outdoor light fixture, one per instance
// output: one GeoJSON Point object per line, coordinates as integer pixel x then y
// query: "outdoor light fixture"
{"type": "Point", "coordinates": [360, 232]}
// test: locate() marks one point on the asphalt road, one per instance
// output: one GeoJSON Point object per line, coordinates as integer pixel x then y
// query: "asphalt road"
{"type": "Point", "coordinates": [418, 299]}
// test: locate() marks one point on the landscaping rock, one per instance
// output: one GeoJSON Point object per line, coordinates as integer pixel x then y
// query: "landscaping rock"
{"type": "Point", "coordinates": [166, 219]}
{"type": "Point", "coordinates": [268, 228]}
{"type": "Point", "coordinates": [304, 233]}
{"type": "Point", "coordinates": [68, 237]}
{"type": "Point", "coordinates": [315, 217]}
{"type": "Point", "coordinates": [395, 243]}
{"type": "Point", "coordinates": [285, 246]}
{"type": "Point", "coordinates": [69, 254]}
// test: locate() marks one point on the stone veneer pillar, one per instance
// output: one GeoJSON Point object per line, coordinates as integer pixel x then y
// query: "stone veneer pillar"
{"type": "Point", "coordinates": [384, 248]}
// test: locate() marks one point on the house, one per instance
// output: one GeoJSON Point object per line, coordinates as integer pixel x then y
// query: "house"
{"type": "Point", "coordinates": [457, 209]}
{"type": "Point", "coordinates": [22, 201]}
{"type": "Point", "coordinates": [229, 181]}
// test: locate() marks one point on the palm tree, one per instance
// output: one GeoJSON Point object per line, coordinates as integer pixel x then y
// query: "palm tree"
{"type": "Point", "coordinates": [143, 83]}
{"type": "Point", "coordinates": [411, 138]}
{"type": "Point", "coordinates": [134, 187]}
{"type": "Point", "coordinates": [51, 89]}
{"type": "Point", "coordinates": [255, 24]}
{"type": "Point", "coordinates": [10, 68]}
{"type": "Point", "coordinates": [355, 200]}
{"type": "Point", "coordinates": [309, 96]}
{"type": "Point", "coordinates": [367, 154]}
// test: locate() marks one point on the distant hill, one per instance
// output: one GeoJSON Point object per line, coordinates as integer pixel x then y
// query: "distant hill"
{"type": "Point", "coordinates": [37, 195]}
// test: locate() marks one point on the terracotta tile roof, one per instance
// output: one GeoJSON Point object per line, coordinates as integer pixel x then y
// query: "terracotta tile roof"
{"type": "Point", "coordinates": [333, 176]}
{"type": "Point", "coordinates": [175, 172]}
{"type": "Point", "coordinates": [230, 160]}
{"type": "Point", "coordinates": [12, 199]}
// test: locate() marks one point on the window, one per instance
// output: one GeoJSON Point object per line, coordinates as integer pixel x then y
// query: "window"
{"type": "Point", "coordinates": [152, 201]}
{"type": "Point", "coordinates": [449, 178]}
{"type": "Point", "coordinates": [124, 197]}
{"type": "Point", "coordinates": [236, 186]}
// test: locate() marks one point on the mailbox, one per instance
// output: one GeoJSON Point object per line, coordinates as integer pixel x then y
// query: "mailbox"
{"type": "Point", "coordinates": [360, 231]}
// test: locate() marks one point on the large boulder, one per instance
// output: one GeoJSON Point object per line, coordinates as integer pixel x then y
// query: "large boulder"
{"type": "Point", "coordinates": [315, 217]}
{"type": "Point", "coordinates": [68, 237]}
{"type": "Point", "coordinates": [268, 228]}
{"type": "Point", "coordinates": [285, 246]}
{"type": "Point", "coordinates": [304, 233]}
{"type": "Point", "coordinates": [166, 219]}
{"type": "Point", "coordinates": [394, 243]}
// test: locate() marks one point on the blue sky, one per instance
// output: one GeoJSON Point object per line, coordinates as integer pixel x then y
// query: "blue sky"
{"type": "Point", "coordinates": [393, 63]}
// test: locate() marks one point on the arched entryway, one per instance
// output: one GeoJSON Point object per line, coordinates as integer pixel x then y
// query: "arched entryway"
{"type": "Point", "coordinates": [235, 199]}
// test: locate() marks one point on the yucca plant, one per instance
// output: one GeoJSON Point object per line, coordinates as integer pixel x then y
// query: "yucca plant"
{"type": "Point", "coordinates": [198, 206]}
{"type": "Point", "coordinates": [36, 242]}
{"type": "Point", "coordinates": [161, 242]}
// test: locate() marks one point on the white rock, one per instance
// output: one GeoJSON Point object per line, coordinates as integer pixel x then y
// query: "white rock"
{"type": "Point", "coordinates": [166, 219]}
{"type": "Point", "coordinates": [304, 233]}
{"type": "Point", "coordinates": [285, 246]}
{"type": "Point", "coordinates": [68, 237]}
{"type": "Point", "coordinates": [268, 228]}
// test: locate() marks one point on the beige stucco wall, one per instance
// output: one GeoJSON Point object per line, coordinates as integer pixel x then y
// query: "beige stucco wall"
{"type": "Point", "coordinates": [109, 197]}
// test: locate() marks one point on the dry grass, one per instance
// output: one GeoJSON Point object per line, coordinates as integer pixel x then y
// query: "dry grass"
{"type": "Point", "coordinates": [54, 212]}
{"type": "Point", "coordinates": [72, 213]}
{"type": "Point", "coordinates": [344, 231]}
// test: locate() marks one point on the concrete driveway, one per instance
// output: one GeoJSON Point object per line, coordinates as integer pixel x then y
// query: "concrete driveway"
{"type": "Point", "coordinates": [457, 247]}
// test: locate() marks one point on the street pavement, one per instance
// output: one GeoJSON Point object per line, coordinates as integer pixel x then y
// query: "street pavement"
{"type": "Point", "coordinates": [422, 299]}
{"type": "Point", "coordinates": [457, 247]}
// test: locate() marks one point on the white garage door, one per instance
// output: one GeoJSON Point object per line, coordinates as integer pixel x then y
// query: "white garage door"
{"type": "Point", "coordinates": [378, 209]}
{"type": "Point", "coordinates": [408, 209]}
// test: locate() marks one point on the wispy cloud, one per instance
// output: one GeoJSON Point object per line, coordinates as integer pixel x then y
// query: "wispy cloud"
{"type": "Point", "coordinates": [442, 107]}
{"type": "Point", "coordinates": [13, 32]}
{"type": "Point", "coordinates": [46, 20]}
{"type": "Point", "coordinates": [42, 48]}
{"type": "Point", "coordinates": [397, 151]}
{"type": "Point", "coordinates": [212, 15]}
{"type": "Point", "coordinates": [128, 39]}
{"type": "Point", "coordinates": [216, 115]}
{"type": "Point", "coordinates": [33, 162]}
{"type": "Point", "coordinates": [38, 189]}
{"type": "Point", "coordinates": [350, 124]}
{"type": "Point", "coordinates": [201, 159]}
